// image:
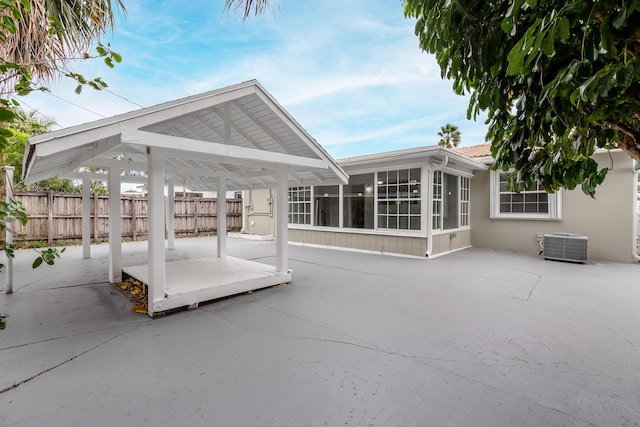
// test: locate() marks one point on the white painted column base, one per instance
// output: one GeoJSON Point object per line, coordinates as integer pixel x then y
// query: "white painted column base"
{"type": "Point", "coordinates": [282, 219]}
{"type": "Point", "coordinates": [156, 285]}
{"type": "Point", "coordinates": [86, 216]}
{"type": "Point", "coordinates": [221, 217]}
{"type": "Point", "coordinates": [171, 215]}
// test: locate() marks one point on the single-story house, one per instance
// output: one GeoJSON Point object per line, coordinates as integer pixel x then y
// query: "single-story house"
{"type": "Point", "coordinates": [430, 201]}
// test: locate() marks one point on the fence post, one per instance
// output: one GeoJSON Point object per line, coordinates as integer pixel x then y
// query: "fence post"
{"type": "Point", "coordinates": [134, 220]}
{"type": "Point", "coordinates": [50, 222]}
{"type": "Point", "coordinates": [195, 217]}
{"type": "Point", "coordinates": [96, 237]}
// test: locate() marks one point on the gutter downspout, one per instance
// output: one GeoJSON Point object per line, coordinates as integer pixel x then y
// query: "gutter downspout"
{"type": "Point", "coordinates": [436, 168]}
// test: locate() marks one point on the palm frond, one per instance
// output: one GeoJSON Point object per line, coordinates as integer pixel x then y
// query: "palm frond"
{"type": "Point", "coordinates": [248, 8]}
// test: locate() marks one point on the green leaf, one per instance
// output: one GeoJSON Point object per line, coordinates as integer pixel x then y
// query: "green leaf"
{"type": "Point", "coordinates": [516, 59]}
{"type": "Point", "coordinates": [78, 89]}
{"type": "Point", "coordinates": [101, 50]}
{"type": "Point", "coordinates": [6, 114]}
{"type": "Point", "coordinates": [116, 57]}
{"type": "Point", "coordinates": [620, 19]}
{"type": "Point", "coordinates": [109, 62]}
{"type": "Point", "coordinates": [9, 24]}
{"type": "Point", "coordinates": [548, 43]}
{"type": "Point", "coordinates": [563, 28]}
{"type": "Point", "coordinates": [37, 262]}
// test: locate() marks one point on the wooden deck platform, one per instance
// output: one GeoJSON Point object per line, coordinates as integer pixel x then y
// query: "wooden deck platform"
{"type": "Point", "coordinates": [193, 281]}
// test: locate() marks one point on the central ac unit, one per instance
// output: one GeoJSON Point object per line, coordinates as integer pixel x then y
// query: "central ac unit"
{"type": "Point", "coordinates": [565, 247]}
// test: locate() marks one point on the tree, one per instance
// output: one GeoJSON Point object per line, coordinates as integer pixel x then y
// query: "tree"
{"type": "Point", "coordinates": [23, 126]}
{"type": "Point", "coordinates": [39, 40]}
{"type": "Point", "coordinates": [449, 136]}
{"type": "Point", "coordinates": [557, 78]}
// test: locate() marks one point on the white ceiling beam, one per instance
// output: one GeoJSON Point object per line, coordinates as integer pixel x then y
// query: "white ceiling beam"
{"type": "Point", "coordinates": [316, 176]}
{"type": "Point", "coordinates": [262, 127]}
{"type": "Point", "coordinates": [105, 177]}
{"type": "Point", "coordinates": [90, 151]}
{"type": "Point", "coordinates": [231, 154]}
{"type": "Point", "coordinates": [239, 131]}
{"type": "Point", "coordinates": [300, 131]}
{"type": "Point", "coordinates": [145, 117]}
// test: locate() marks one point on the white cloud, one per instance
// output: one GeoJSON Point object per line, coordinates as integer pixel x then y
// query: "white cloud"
{"type": "Point", "coordinates": [350, 72]}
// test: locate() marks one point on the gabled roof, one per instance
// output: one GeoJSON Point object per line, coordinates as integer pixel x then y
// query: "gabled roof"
{"type": "Point", "coordinates": [412, 155]}
{"type": "Point", "coordinates": [240, 132]}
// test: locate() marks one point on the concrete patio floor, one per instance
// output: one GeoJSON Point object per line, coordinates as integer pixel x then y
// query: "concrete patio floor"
{"type": "Point", "coordinates": [476, 338]}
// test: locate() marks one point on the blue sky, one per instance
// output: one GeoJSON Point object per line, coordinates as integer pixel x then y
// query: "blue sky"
{"type": "Point", "coordinates": [350, 72]}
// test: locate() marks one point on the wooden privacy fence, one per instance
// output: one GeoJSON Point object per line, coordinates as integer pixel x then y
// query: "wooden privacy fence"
{"type": "Point", "coordinates": [56, 218]}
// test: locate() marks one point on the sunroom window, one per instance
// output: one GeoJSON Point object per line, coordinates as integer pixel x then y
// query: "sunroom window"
{"type": "Point", "coordinates": [326, 205]}
{"type": "Point", "coordinates": [399, 198]}
{"type": "Point", "coordinates": [299, 205]}
{"type": "Point", "coordinates": [358, 201]}
{"type": "Point", "coordinates": [450, 201]}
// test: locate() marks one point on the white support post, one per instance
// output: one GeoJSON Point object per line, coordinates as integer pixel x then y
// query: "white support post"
{"type": "Point", "coordinates": [8, 181]}
{"type": "Point", "coordinates": [282, 215]}
{"type": "Point", "coordinates": [115, 227]}
{"type": "Point", "coordinates": [86, 216]}
{"type": "Point", "coordinates": [221, 217]}
{"type": "Point", "coordinates": [244, 228]}
{"type": "Point", "coordinates": [8, 177]}
{"type": "Point", "coordinates": [156, 285]}
{"type": "Point", "coordinates": [171, 215]}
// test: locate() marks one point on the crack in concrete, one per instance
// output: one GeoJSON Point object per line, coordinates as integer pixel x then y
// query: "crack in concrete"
{"type": "Point", "coordinates": [60, 337]}
{"type": "Point", "coordinates": [327, 265]}
{"type": "Point", "coordinates": [64, 362]}
{"type": "Point", "coordinates": [423, 360]}
{"type": "Point", "coordinates": [534, 286]}
{"type": "Point", "coordinates": [23, 288]}
{"type": "Point", "coordinates": [343, 268]}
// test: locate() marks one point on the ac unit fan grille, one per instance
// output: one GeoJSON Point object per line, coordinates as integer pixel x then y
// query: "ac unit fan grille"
{"type": "Point", "coordinates": [565, 247]}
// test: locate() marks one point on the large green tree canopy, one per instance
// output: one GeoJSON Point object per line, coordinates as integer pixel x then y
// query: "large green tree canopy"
{"type": "Point", "coordinates": [557, 78]}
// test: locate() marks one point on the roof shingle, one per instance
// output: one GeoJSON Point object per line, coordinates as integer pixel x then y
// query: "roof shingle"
{"type": "Point", "coordinates": [474, 151]}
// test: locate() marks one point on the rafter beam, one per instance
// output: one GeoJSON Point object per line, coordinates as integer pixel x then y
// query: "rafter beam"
{"type": "Point", "coordinates": [226, 153]}
{"type": "Point", "coordinates": [262, 127]}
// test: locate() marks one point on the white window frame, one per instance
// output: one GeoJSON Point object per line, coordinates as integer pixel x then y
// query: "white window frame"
{"type": "Point", "coordinates": [306, 205]}
{"type": "Point", "coordinates": [398, 200]}
{"type": "Point", "coordinates": [437, 201]}
{"type": "Point", "coordinates": [464, 201]}
{"type": "Point", "coordinates": [554, 203]}
{"type": "Point", "coordinates": [440, 204]}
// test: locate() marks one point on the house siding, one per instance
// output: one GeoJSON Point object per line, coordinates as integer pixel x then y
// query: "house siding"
{"type": "Point", "coordinates": [606, 220]}
{"type": "Point", "coordinates": [401, 245]}
{"type": "Point", "coordinates": [453, 241]}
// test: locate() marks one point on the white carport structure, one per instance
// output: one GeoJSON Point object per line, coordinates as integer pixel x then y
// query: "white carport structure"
{"type": "Point", "coordinates": [234, 138]}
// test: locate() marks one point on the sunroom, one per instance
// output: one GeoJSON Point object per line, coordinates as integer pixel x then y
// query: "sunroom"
{"type": "Point", "coordinates": [413, 202]}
